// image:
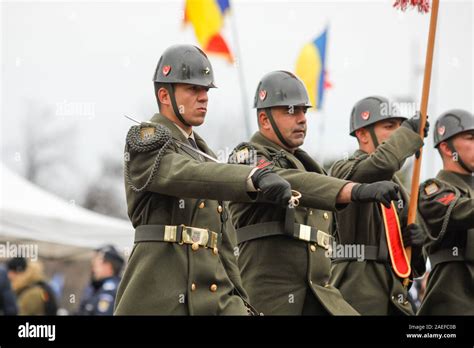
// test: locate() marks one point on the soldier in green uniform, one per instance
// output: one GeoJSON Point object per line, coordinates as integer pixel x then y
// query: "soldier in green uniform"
{"type": "Point", "coordinates": [284, 252]}
{"type": "Point", "coordinates": [385, 140]}
{"type": "Point", "coordinates": [447, 205]}
{"type": "Point", "coordinates": [183, 261]}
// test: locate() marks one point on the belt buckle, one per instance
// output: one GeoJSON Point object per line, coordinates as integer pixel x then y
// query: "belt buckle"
{"type": "Point", "coordinates": [213, 243]}
{"type": "Point", "coordinates": [193, 235]}
{"type": "Point", "coordinates": [170, 233]}
{"type": "Point", "coordinates": [304, 232]}
{"type": "Point", "coordinates": [323, 239]}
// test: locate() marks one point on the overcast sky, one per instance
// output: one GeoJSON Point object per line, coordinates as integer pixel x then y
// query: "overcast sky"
{"type": "Point", "coordinates": [91, 63]}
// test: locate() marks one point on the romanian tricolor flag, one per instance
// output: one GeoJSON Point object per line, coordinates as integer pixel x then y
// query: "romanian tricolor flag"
{"type": "Point", "coordinates": [207, 18]}
{"type": "Point", "coordinates": [311, 68]}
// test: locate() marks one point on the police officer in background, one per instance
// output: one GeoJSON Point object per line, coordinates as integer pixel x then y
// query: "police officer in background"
{"type": "Point", "coordinates": [447, 205]}
{"type": "Point", "coordinates": [386, 140]}
{"type": "Point", "coordinates": [183, 260]}
{"type": "Point", "coordinates": [284, 251]}
{"type": "Point", "coordinates": [99, 296]}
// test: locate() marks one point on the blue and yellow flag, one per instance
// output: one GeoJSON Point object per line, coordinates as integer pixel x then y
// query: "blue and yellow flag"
{"type": "Point", "coordinates": [207, 18]}
{"type": "Point", "coordinates": [311, 68]}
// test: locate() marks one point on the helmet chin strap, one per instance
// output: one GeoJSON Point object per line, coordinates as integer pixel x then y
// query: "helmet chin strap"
{"type": "Point", "coordinates": [180, 117]}
{"type": "Point", "coordinates": [373, 136]}
{"type": "Point", "coordinates": [459, 159]}
{"type": "Point", "coordinates": [268, 112]}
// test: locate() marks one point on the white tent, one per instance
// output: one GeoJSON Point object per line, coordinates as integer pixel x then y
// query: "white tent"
{"type": "Point", "coordinates": [60, 229]}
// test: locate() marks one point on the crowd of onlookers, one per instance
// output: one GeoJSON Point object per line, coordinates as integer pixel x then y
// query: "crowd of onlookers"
{"type": "Point", "coordinates": [25, 290]}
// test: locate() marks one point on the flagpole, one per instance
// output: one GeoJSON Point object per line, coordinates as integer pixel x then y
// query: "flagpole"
{"type": "Point", "coordinates": [322, 127]}
{"type": "Point", "coordinates": [423, 6]}
{"type": "Point", "coordinates": [321, 93]}
{"type": "Point", "coordinates": [424, 108]}
{"type": "Point", "coordinates": [240, 73]}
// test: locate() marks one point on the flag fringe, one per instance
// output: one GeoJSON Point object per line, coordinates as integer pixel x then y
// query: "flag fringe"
{"type": "Point", "coordinates": [422, 5]}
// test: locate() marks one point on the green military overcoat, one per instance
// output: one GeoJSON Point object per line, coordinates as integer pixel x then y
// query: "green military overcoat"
{"type": "Point", "coordinates": [447, 205]}
{"type": "Point", "coordinates": [371, 286]}
{"type": "Point", "coordinates": [174, 278]}
{"type": "Point", "coordinates": [285, 275]}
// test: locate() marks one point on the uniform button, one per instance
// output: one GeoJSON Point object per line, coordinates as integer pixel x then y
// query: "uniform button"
{"type": "Point", "coordinates": [219, 209]}
{"type": "Point", "coordinates": [215, 251]}
{"type": "Point", "coordinates": [193, 287]}
{"type": "Point", "coordinates": [213, 288]}
{"type": "Point", "coordinates": [313, 248]}
{"type": "Point", "coordinates": [393, 298]}
{"type": "Point", "coordinates": [202, 205]}
{"type": "Point", "coordinates": [195, 246]}
{"type": "Point", "coordinates": [310, 212]}
{"type": "Point", "coordinates": [326, 216]}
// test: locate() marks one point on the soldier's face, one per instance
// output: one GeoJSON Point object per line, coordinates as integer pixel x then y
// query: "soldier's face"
{"type": "Point", "coordinates": [384, 129]}
{"type": "Point", "coordinates": [192, 102]}
{"type": "Point", "coordinates": [291, 121]}
{"type": "Point", "coordinates": [464, 145]}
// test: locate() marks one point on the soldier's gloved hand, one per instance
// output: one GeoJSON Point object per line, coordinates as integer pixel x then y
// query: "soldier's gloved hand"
{"type": "Point", "coordinates": [274, 188]}
{"type": "Point", "coordinates": [414, 124]}
{"type": "Point", "coordinates": [382, 191]}
{"type": "Point", "coordinates": [413, 235]}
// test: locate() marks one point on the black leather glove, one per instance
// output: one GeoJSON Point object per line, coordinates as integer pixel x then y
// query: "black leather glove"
{"type": "Point", "coordinates": [414, 124]}
{"type": "Point", "coordinates": [274, 188]}
{"type": "Point", "coordinates": [413, 235]}
{"type": "Point", "coordinates": [383, 192]}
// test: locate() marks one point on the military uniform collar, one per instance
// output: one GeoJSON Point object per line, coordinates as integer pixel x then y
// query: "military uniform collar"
{"type": "Point", "coordinates": [179, 134]}
{"type": "Point", "coordinates": [300, 158]}
{"type": "Point", "coordinates": [260, 139]}
{"type": "Point", "coordinates": [463, 182]}
{"type": "Point", "coordinates": [184, 132]}
{"type": "Point", "coordinates": [175, 132]}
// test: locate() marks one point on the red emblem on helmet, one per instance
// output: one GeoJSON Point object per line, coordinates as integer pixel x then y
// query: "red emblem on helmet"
{"type": "Point", "coordinates": [262, 94]}
{"type": "Point", "coordinates": [166, 70]}
{"type": "Point", "coordinates": [365, 115]}
{"type": "Point", "coordinates": [441, 130]}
